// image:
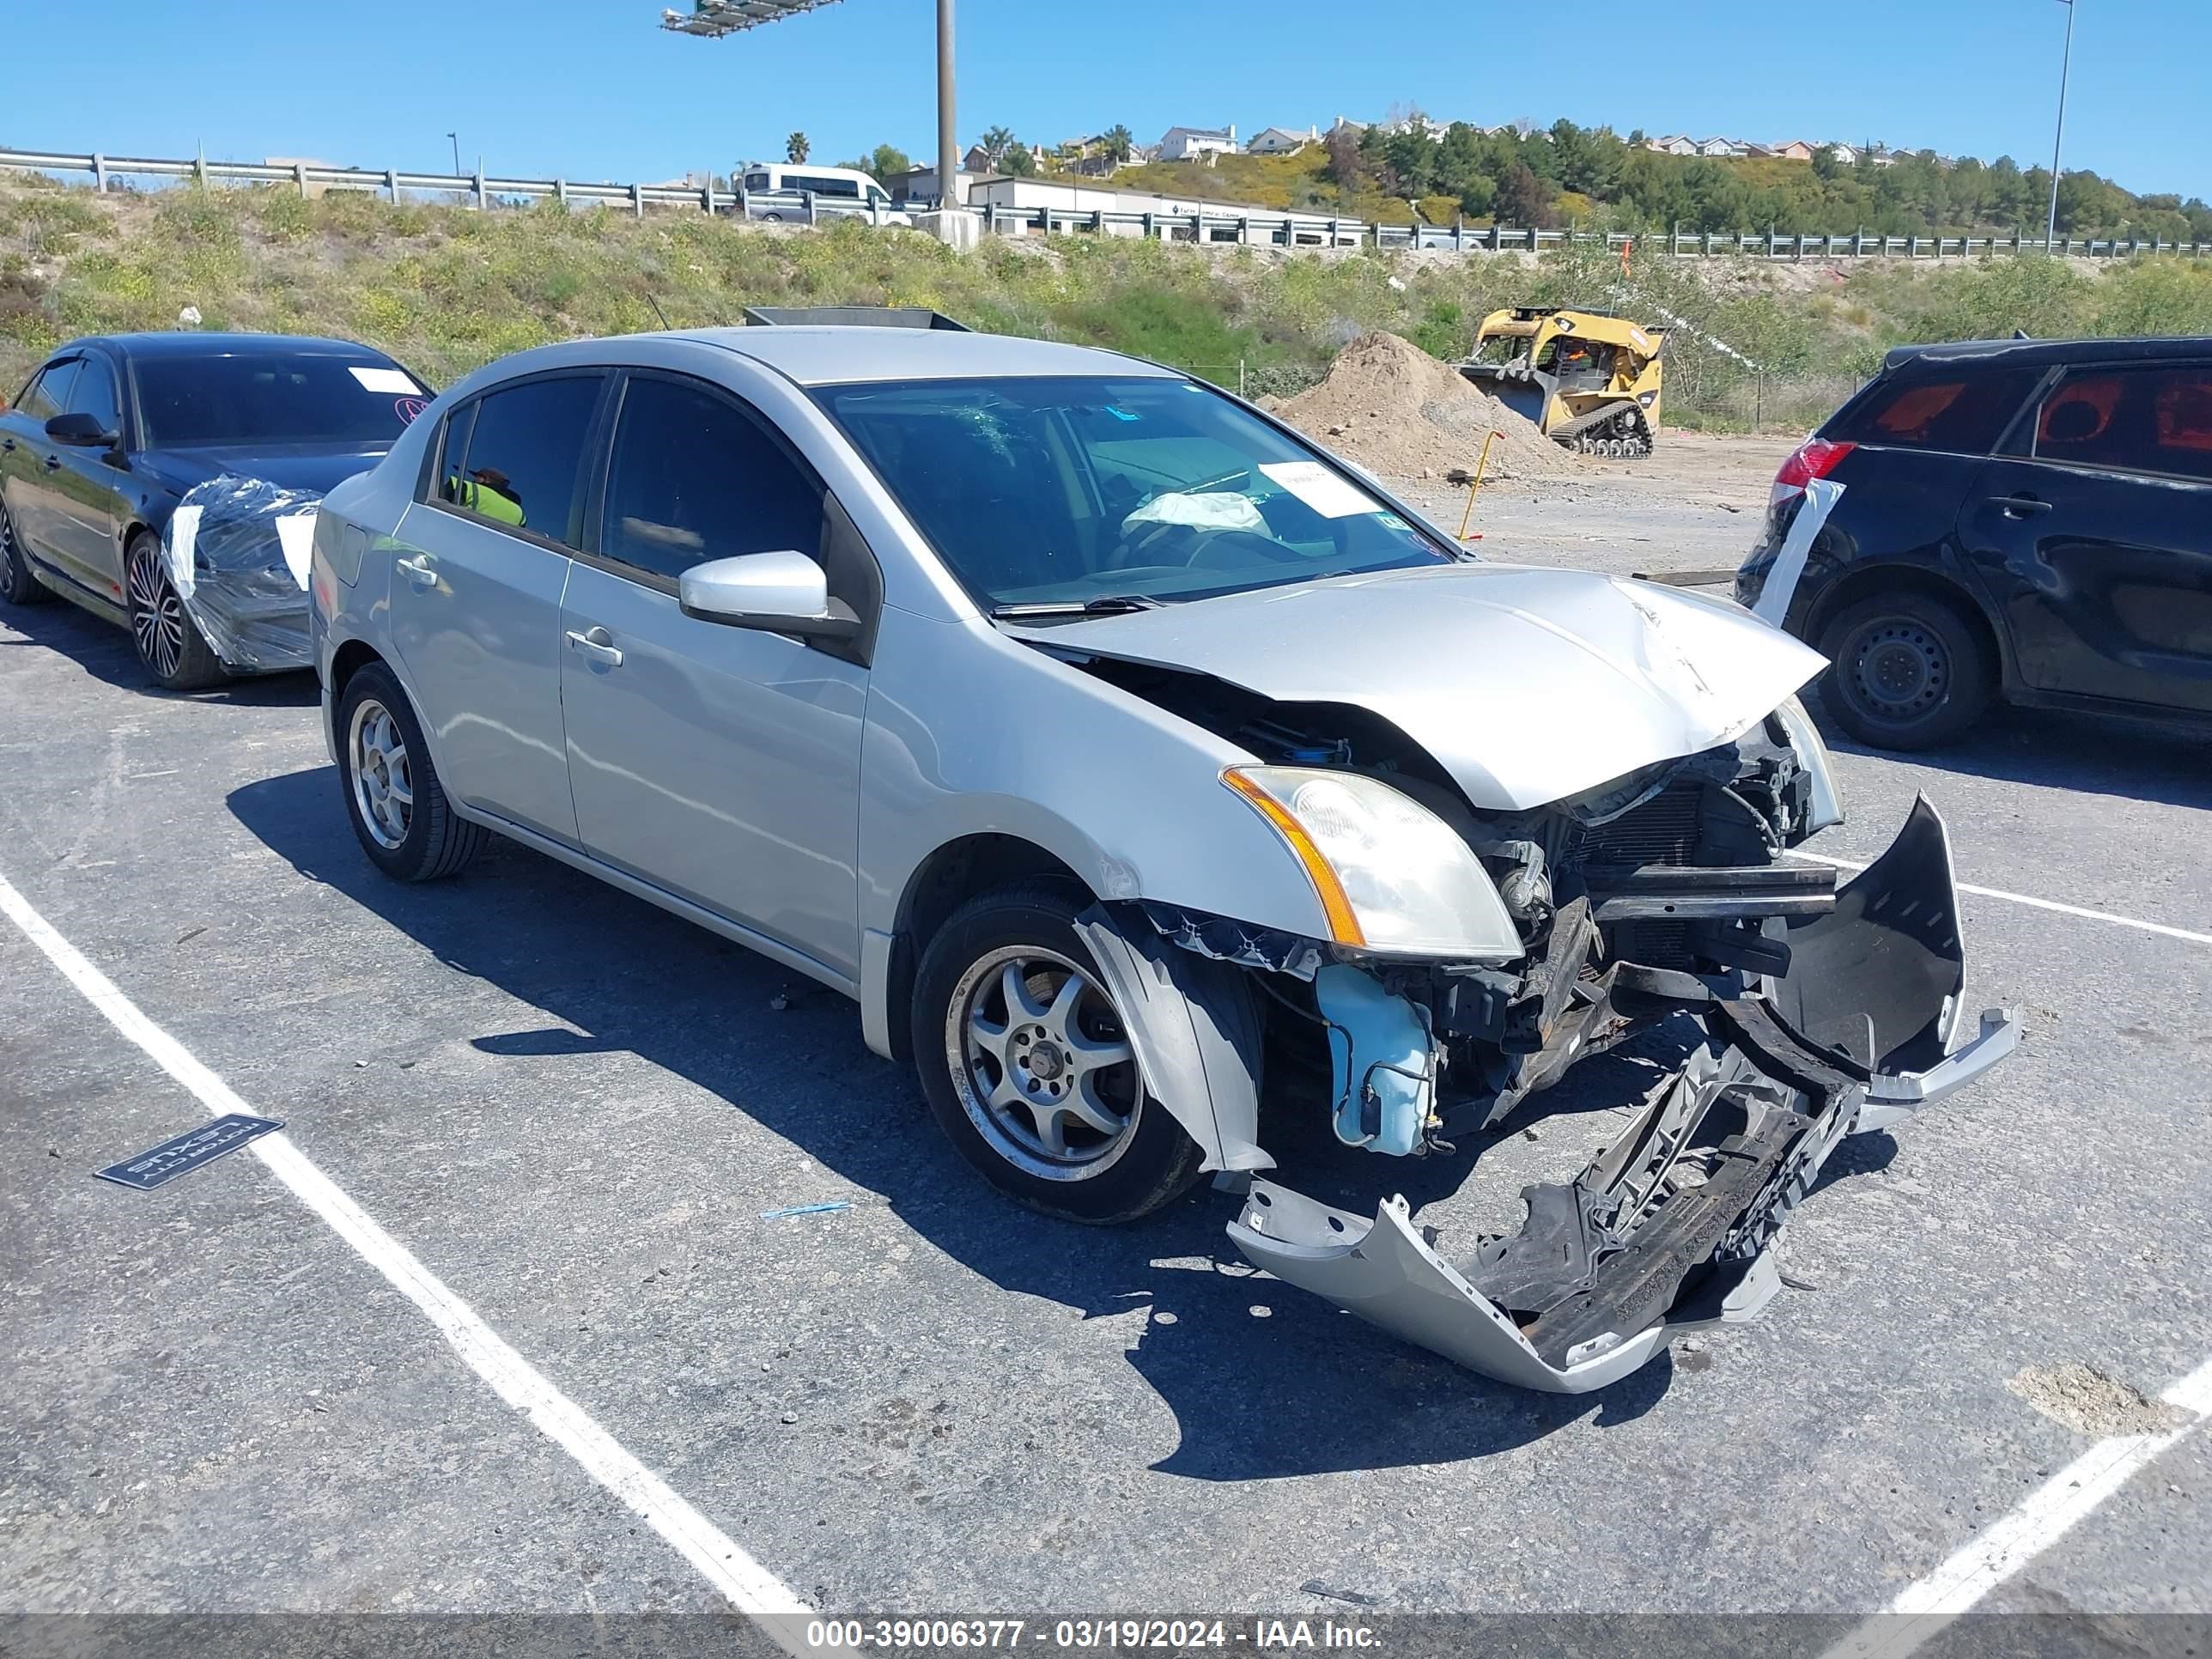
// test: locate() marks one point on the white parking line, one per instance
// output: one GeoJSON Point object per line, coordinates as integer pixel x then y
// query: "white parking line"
{"type": "Point", "coordinates": [747, 1585]}
{"type": "Point", "coordinates": [2009, 1544]}
{"type": "Point", "coordinates": [2040, 903]}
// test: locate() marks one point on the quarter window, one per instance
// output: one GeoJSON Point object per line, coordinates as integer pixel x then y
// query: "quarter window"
{"type": "Point", "coordinates": [1962, 414]}
{"type": "Point", "coordinates": [694, 478]}
{"type": "Point", "coordinates": [43, 398]}
{"type": "Point", "coordinates": [516, 457]}
{"type": "Point", "coordinates": [2146, 420]}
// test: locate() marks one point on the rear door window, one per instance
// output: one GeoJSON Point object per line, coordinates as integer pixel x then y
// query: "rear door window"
{"type": "Point", "coordinates": [694, 478]}
{"type": "Point", "coordinates": [43, 397]}
{"type": "Point", "coordinates": [1962, 413]}
{"type": "Point", "coordinates": [2138, 419]}
{"type": "Point", "coordinates": [516, 457]}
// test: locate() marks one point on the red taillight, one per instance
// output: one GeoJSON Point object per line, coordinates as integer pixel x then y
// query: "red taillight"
{"type": "Point", "coordinates": [1816, 458]}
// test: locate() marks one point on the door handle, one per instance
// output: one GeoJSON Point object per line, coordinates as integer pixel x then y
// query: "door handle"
{"type": "Point", "coordinates": [418, 571]}
{"type": "Point", "coordinates": [2020, 506]}
{"type": "Point", "coordinates": [598, 645]}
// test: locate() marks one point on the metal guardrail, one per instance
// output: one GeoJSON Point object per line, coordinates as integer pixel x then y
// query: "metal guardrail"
{"type": "Point", "coordinates": [1278, 229]}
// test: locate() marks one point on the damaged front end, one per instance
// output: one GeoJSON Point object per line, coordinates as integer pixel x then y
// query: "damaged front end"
{"type": "Point", "coordinates": [1843, 1025]}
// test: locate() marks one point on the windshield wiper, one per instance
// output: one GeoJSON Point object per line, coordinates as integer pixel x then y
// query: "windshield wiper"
{"type": "Point", "coordinates": [1110, 605]}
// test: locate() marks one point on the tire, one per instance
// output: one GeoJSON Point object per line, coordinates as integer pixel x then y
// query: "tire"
{"type": "Point", "coordinates": [963, 1020]}
{"type": "Point", "coordinates": [17, 585]}
{"type": "Point", "coordinates": [1905, 671]}
{"type": "Point", "coordinates": [412, 833]}
{"type": "Point", "coordinates": [170, 646]}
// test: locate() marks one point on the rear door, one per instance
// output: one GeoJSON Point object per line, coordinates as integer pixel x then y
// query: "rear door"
{"type": "Point", "coordinates": [90, 510]}
{"type": "Point", "coordinates": [29, 459]}
{"type": "Point", "coordinates": [2095, 527]}
{"type": "Point", "coordinates": [720, 764]}
{"type": "Point", "coordinates": [476, 594]}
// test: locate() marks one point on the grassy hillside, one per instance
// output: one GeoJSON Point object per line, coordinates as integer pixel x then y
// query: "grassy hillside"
{"type": "Point", "coordinates": [446, 289]}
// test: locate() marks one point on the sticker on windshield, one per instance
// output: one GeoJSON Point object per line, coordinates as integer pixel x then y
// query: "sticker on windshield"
{"type": "Point", "coordinates": [407, 409]}
{"type": "Point", "coordinates": [383, 379]}
{"type": "Point", "coordinates": [1324, 491]}
{"type": "Point", "coordinates": [1391, 521]}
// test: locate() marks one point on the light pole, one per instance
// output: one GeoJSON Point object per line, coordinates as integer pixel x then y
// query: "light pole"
{"type": "Point", "coordinates": [713, 19]}
{"type": "Point", "coordinates": [456, 138]}
{"type": "Point", "coordinates": [2065, 69]}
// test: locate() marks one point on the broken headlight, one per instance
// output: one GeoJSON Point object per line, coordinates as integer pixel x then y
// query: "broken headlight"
{"type": "Point", "coordinates": [1825, 805]}
{"type": "Point", "coordinates": [1390, 874]}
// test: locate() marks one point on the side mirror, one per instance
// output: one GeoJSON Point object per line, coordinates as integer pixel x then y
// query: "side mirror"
{"type": "Point", "coordinates": [776, 593]}
{"type": "Point", "coordinates": [81, 430]}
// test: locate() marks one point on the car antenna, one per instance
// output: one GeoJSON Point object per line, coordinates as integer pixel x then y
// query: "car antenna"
{"type": "Point", "coordinates": [2022, 334]}
{"type": "Point", "coordinates": [656, 311]}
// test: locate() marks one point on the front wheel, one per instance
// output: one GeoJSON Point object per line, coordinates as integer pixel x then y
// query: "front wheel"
{"type": "Point", "coordinates": [1906, 672]}
{"type": "Point", "coordinates": [1027, 1066]}
{"type": "Point", "coordinates": [170, 646]}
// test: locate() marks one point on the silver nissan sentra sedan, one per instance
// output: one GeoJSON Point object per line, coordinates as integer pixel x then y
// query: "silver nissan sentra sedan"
{"type": "Point", "coordinates": [1146, 774]}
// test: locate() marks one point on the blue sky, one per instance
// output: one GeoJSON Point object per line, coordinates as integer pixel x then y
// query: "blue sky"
{"type": "Point", "coordinates": [593, 89]}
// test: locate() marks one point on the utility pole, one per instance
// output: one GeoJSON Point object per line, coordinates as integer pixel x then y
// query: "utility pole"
{"type": "Point", "coordinates": [713, 20]}
{"type": "Point", "coordinates": [2065, 70]}
{"type": "Point", "coordinates": [950, 195]}
{"type": "Point", "coordinates": [456, 138]}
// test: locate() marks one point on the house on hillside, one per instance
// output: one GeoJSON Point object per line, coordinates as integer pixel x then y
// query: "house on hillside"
{"type": "Point", "coordinates": [1722, 149]}
{"type": "Point", "coordinates": [1281, 141]}
{"type": "Point", "coordinates": [1847, 154]}
{"type": "Point", "coordinates": [1198, 143]}
{"type": "Point", "coordinates": [1673, 143]}
{"type": "Point", "coordinates": [1796, 150]}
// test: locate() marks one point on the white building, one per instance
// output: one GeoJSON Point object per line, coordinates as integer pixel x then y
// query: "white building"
{"type": "Point", "coordinates": [1672, 143]}
{"type": "Point", "coordinates": [1281, 141]}
{"type": "Point", "coordinates": [1076, 201]}
{"type": "Point", "coordinates": [1721, 148]}
{"type": "Point", "coordinates": [1197, 143]}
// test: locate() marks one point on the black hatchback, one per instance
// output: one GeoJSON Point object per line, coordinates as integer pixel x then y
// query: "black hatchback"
{"type": "Point", "coordinates": [2029, 519]}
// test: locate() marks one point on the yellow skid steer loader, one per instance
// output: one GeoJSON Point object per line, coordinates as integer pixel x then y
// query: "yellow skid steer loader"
{"type": "Point", "coordinates": [1589, 380]}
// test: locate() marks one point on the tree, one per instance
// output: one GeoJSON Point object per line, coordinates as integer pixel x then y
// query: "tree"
{"type": "Point", "coordinates": [1120, 146]}
{"type": "Point", "coordinates": [1826, 166]}
{"type": "Point", "coordinates": [888, 160]}
{"type": "Point", "coordinates": [994, 143]}
{"type": "Point", "coordinates": [1019, 161]}
{"type": "Point", "coordinates": [795, 148]}
{"type": "Point", "coordinates": [1523, 198]}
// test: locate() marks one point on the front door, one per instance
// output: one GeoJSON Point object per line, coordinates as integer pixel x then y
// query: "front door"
{"type": "Point", "coordinates": [2099, 525]}
{"type": "Point", "coordinates": [90, 511]}
{"type": "Point", "coordinates": [476, 596]}
{"type": "Point", "coordinates": [721, 764]}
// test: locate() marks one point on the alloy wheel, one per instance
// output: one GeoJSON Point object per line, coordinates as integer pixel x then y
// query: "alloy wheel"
{"type": "Point", "coordinates": [383, 786]}
{"type": "Point", "coordinates": [1041, 1064]}
{"type": "Point", "coordinates": [157, 615]}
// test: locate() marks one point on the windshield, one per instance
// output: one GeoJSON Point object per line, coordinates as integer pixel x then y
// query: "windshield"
{"type": "Point", "coordinates": [274, 398]}
{"type": "Point", "coordinates": [1067, 490]}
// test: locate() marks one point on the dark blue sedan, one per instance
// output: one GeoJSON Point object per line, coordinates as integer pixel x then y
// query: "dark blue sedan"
{"type": "Point", "coordinates": [168, 482]}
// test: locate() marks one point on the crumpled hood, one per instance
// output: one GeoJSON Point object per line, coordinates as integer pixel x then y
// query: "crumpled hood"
{"type": "Point", "coordinates": [292, 466]}
{"type": "Point", "coordinates": [1527, 685]}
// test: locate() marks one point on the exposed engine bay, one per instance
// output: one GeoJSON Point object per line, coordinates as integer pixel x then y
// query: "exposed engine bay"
{"type": "Point", "coordinates": [1826, 1009]}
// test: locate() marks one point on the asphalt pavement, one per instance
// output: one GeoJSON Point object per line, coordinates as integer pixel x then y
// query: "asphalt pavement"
{"type": "Point", "coordinates": [579, 1114]}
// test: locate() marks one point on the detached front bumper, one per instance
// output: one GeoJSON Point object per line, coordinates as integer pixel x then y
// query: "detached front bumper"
{"type": "Point", "coordinates": [1672, 1227]}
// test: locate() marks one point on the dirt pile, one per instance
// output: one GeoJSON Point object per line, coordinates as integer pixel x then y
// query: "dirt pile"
{"type": "Point", "coordinates": [1396, 410]}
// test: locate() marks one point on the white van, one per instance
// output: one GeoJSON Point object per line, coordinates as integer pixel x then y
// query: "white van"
{"type": "Point", "coordinates": [779, 192]}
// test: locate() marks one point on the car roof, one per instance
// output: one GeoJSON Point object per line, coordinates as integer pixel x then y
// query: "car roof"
{"type": "Point", "coordinates": [831, 356]}
{"type": "Point", "coordinates": [194, 342]}
{"type": "Point", "coordinates": [2042, 353]}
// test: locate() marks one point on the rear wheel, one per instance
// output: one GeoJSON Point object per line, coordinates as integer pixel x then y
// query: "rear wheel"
{"type": "Point", "coordinates": [169, 642]}
{"type": "Point", "coordinates": [17, 585]}
{"type": "Point", "coordinates": [1905, 671]}
{"type": "Point", "coordinates": [393, 799]}
{"type": "Point", "coordinates": [1027, 1066]}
